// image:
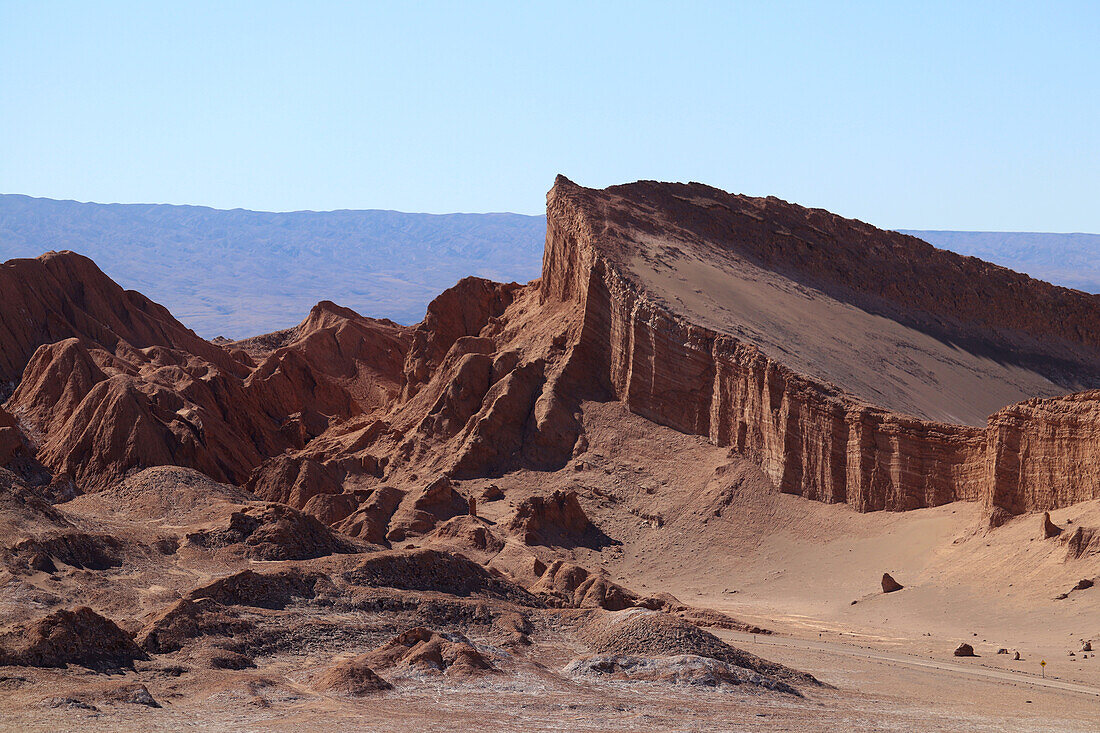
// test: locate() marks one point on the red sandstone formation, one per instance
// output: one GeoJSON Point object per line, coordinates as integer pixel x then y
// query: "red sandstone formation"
{"type": "Point", "coordinates": [691, 306]}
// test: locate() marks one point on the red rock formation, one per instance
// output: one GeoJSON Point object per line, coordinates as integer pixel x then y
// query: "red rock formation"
{"type": "Point", "coordinates": [109, 382]}
{"type": "Point", "coordinates": [812, 438]}
{"type": "Point", "coordinates": [320, 415]}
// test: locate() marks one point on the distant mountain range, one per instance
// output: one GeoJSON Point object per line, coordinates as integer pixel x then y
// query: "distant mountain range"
{"type": "Point", "coordinates": [1072, 260]}
{"type": "Point", "coordinates": [239, 273]}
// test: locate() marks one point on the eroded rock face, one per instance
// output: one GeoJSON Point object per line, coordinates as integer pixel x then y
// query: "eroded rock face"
{"type": "Point", "coordinates": [557, 518]}
{"type": "Point", "coordinates": [811, 437]}
{"type": "Point", "coordinates": [108, 381]}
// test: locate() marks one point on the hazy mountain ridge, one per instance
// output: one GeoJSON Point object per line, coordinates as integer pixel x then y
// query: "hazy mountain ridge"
{"type": "Point", "coordinates": [239, 273]}
{"type": "Point", "coordinates": [1071, 259]}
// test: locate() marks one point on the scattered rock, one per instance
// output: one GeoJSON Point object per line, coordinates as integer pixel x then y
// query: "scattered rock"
{"type": "Point", "coordinates": [1016, 657]}
{"type": "Point", "coordinates": [1049, 528]}
{"type": "Point", "coordinates": [889, 585]}
{"type": "Point", "coordinates": [964, 650]}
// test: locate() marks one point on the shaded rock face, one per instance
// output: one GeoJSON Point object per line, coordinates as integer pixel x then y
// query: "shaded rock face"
{"type": "Point", "coordinates": [1049, 529]}
{"type": "Point", "coordinates": [889, 585]}
{"type": "Point", "coordinates": [555, 519]}
{"type": "Point", "coordinates": [80, 636]}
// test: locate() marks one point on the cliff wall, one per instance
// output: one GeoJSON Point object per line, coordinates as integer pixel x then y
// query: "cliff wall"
{"type": "Point", "coordinates": [810, 437]}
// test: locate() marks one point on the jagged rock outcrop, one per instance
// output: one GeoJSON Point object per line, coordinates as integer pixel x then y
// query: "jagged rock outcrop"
{"type": "Point", "coordinates": [108, 382]}
{"type": "Point", "coordinates": [889, 585]}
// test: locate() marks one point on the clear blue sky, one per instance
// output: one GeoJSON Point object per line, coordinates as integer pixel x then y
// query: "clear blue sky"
{"type": "Point", "coordinates": [924, 115]}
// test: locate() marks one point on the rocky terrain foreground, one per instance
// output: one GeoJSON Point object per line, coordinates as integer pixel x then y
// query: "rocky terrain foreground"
{"type": "Point", "coordinates": [728, 464]}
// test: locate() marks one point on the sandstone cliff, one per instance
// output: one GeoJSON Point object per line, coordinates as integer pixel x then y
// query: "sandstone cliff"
{"type": "Point", "coordinates": [814, 438]}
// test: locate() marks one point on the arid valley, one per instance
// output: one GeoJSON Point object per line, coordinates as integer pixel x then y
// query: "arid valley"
{"type": "Point", "coordinates": [728, 464]}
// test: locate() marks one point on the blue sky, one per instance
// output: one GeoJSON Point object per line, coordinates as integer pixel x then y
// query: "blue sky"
{"type": "Point", "coordinates": [921, 115]}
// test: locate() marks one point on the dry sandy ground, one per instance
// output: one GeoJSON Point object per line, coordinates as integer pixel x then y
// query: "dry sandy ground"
{"type": "Point", "coordinates": [697, 521]}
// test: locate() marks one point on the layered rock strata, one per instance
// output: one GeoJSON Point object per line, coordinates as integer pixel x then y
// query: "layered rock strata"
{"type": "Point", "coordinates": [811, 437]}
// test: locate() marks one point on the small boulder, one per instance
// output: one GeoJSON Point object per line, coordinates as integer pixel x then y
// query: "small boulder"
{"type": "Point", "coordinates": [1016, 657]}
{"type": "Point", "coordinates": [889, 585]}
{"type": "Point", "coordinates": [492, 492]}
{"type": "Point", "coordinates": [1087, 646]}
{"type": "Point", "coordinates": [964, 650]}
{"type": "Point", "coordinates": [1049, 528]}
{"type": "Point", "coordinates": [1083, 584]}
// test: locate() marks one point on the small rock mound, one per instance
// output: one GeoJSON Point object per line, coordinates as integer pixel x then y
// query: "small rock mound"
{"type": "Point", "coordinates": [433, 570]}
{"type": "Point", "coordinates": [468, 534]}
{"type": "Point", "coordinates": [654, 634]}
{"type": "Point", "coordinates": [133, 694]}
{"type": "Point", "coordinates": [964, 650]}
{"type": "Point", "coordinates": [262, 590]}
{"type": "Point", "coordinates": [557, 519]}
{"type": "Point", "coordinates": [187, 620]}
{"type": "Point", "coordinates": [423, 650]}
{"type": "Point", "coordinates": [80, 636]}
{"type": "Point", "coordinates": [352, 677]}
{"type": "Point", "coordinates": [78, 549]}
{"type": "Point", "coordinates": [682, 669]}
{"type": "Point", "coordinates": [274, 532]}
{"type": "Point", "coordinates": [420, 511]}
{"type": "Point", "coordinates": [889, 585]}
{"type": "Point", "coordinates": [370, 520]}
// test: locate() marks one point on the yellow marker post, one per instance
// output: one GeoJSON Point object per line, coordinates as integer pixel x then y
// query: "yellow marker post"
{"type": "Point", "coordinates": [1043, 664]}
